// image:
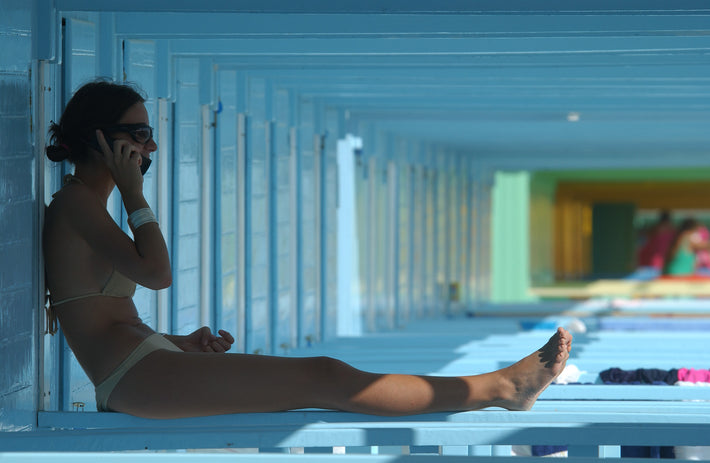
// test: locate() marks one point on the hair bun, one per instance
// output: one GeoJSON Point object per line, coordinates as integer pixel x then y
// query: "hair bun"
{"type": "Point", "coordinates": [57, 153]}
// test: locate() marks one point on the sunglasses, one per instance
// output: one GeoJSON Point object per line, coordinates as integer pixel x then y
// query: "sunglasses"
{"type": "Point", "coordinates": [140, 133]}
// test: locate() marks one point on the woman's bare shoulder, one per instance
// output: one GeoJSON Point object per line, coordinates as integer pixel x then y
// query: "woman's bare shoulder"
{"type": "Point", "coordinates": [77, 211]}
{"type": "Point", "coordinates": [74, 201]}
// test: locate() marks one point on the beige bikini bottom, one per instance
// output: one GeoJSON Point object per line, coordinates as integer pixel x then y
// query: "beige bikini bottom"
{"type": "Point", "coordinates": [148, 345]}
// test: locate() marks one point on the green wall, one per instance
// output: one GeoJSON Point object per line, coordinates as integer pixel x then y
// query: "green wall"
{"type": "Point", "coordinates": [613, 240]}
{"type": "Point", "coordinates": [510, 257]}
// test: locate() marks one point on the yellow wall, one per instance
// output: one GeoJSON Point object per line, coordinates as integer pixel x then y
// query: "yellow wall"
{"type": "Point", "coordinates": [573, 230]}
{"type": "Point", "coordinates": [542, 231]}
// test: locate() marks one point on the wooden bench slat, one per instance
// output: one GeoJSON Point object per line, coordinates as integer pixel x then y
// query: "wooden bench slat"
{"type": "Point", "coordinates": [91, 457]}
{"type": "Point", "coordinates": [633, 432]}
{"type": "Point", "coordinates": [596, 412]}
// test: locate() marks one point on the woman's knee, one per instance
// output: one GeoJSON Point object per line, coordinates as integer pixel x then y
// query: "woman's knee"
{"type": "Point", "coordinates": [329, 370]}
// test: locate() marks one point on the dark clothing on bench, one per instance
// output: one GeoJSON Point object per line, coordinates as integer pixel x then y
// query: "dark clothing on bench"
{"type": "Point", "coordinates": [639, 376]}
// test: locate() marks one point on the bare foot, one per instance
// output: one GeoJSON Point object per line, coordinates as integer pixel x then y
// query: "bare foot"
{"type": "Point", "coordinates": [526, 379]}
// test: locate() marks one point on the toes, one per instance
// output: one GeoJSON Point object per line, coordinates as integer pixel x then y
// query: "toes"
{"type": "Point", "coordinates": [569, 342]}
{"type": "Point", "coordinates": [565, 338]}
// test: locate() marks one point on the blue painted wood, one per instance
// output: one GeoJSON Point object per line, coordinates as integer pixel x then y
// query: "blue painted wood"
{"type": "Point", "coordinates": [75, 457]}
{"type": "Point", "coordinates": [608, 451]}
{"type": "Point", "coordinates": [175, 25]}
{"type": "Point", "coordinates": [514, 99]}
{"type": "Point", "coordinates": [625, 392]}
{"type": "Point", "coordinates": [321, 219]}
{"type": "Point", "coordinates": [306, 270]}
{"type": "Point", "coordinates": [259, 329]}
{"type": "Point", "coordinates": [418, 238]}
{"type": "Point", "coordinates": [427, 78]}
{"type": "Point", "coordinates": [296, 151]}
{"type": "Point", "coordinates": [429, 248]}
{"type": "Point", "coordinates": [21, 201]}
{"type": "Point", "coordinates": [561, 44]}
{"type": "Point", "coordinates": [333, 129]}
{"type": "Point", "coordinates": [163, 83]}
{"type": "Point", "coordinates": [639, 405]}
{"type": "Point", "coordinates": [106, 60]}
{"type": "Point", "coordinates": [568, 412]}
{"type": "Point", "coordinates": [411, 7]}
{"type": "Point", "coordinates": [284, 333]}
{"type": "Point", "coordinates": [588, 451]}
{"type": "Point", "coordinates": [596, 306]}
{"type": "Point", "coordinates": [480, 451]}
{"type": "Point", "coordinates": [604, 421]}
{"type": "Point", "coordinates": [248, 217]}
{"type": "Point", "coordinates": [582, 429]}
{"type": "Point", "coordinates": [207, 81]}
{"type": "Point", "coordinates": [608, 47]}
{"type": "Point", "coordinates": [501, 450]}
{"type": "Point", "coordinates": [226, 233]}
{"type": "Point", "coordinates": [139, 67]}
{"type": "Point", "coordinates": [80, 50]}
{"type": "Point", "coordinates": [186, 234]}
{"type": "Point", "coordinates": [408, 195]}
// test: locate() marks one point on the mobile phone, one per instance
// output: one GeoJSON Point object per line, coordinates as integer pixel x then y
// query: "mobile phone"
{"type": "Point", "coordinates": [93, 142]}
{"type": "Point", "coordinates": [145, 163]}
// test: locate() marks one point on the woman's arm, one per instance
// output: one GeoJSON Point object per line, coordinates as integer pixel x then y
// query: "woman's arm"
{"type": "Point", "coordinates": [149, 244]}
{"type": "Point", "coordinates": [145, 259]}
{"type": "Point", "coordinates": [123, 160]}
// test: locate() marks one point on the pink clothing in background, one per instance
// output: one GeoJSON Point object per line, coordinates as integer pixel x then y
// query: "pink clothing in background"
{"type": "Point", "coordinates": [702, 257]}
{"type": "Point", "coordinates": [693, 376]}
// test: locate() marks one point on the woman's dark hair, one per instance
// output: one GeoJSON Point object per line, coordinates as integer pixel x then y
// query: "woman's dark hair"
{"type": "Point", "coordinates": [98, 104]}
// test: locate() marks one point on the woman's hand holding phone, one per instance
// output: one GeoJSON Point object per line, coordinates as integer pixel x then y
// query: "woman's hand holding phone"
{"type": "Point", "coordinates": [123, 160]}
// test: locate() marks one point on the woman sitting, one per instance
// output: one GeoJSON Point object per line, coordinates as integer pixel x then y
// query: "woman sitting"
{"type": "Point", "coordinates": [93, 267]}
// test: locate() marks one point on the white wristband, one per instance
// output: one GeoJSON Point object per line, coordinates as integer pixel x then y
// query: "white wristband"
{"type": "Point", "coordinates": [141, 217]}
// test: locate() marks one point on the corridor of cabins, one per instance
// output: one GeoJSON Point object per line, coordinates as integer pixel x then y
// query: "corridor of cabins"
{"type": "Point", "coordinates": [412, 187]}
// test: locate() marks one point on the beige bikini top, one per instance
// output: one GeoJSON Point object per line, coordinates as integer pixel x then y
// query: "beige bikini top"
{"type": "Point", "coordinates": [117, 285]}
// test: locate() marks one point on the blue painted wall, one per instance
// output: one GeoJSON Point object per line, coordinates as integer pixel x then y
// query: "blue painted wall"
{"type": "Point", "coordinates": [187, 206]}
{"type": "Point", "coordinates": [19, 300]}
{"type": "Point", "coordinates": [308, 271]}
{"type": "Point", "coordinates": [139, 67]}
{"type": "Point", "coordinates": [277, 292]}
{"type": "Point", "coordinates": [229, 253]}
{"type": "Point", "coordinates": [334, 131]}
{"type": "Point", "coordinates": [283, 237]}
{"type": "Point", "coordinates": [258, 333]}
{"type": "Point", "coordinates": [423, 211]}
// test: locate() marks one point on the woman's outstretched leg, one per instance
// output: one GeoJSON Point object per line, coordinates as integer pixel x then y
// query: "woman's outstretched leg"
{"type": "Point", "coordinates": [515, 387]}
{"type": "Point", "coordinates": [171, 385]}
